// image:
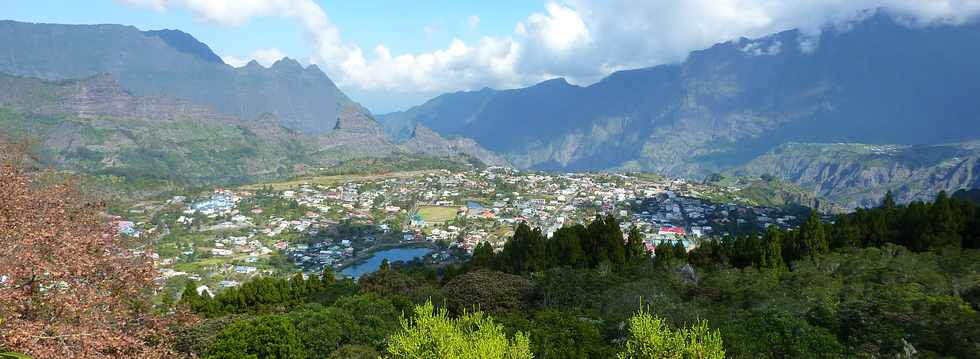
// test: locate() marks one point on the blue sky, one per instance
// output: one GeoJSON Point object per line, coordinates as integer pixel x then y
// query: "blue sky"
{"type": "Point", "coordinates": [400, 25]}
{"type": "Point", "coordinates": [390, 55]}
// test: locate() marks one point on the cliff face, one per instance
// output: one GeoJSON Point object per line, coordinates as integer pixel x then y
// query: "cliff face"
{"type": "Point", "coordinates": [172, 64]}
{"type": "Point", "coordinates": [356, 134]}
{"type": "Point", "coordinates": [858, 175]}
{"type": "Point", "coordinates": [425, 141]}
{"type": "Point", "coordinates": [93, 125]}
{"type": "Point", "coordinates": [730, 103]}
{"type": "Point", "coordinates": [97, 96]}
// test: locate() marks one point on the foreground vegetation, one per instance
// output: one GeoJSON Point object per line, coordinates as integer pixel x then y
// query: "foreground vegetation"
{"type": "Point", "coordinates": [883, 282]}
{"type": "Point", "coordinates": [890, 281]}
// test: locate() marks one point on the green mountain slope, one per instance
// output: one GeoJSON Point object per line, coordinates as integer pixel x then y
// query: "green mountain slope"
{"type": "Point", "coordinates": [95, 126]}
{"type": "Point", "coordinates": [172, 64]}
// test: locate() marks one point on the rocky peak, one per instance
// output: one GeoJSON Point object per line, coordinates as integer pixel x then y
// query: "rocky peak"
{"type": "Point", "coordinates": [426, 141]}
{"type": "Point", "coordinates": [354, 118]}
{"type": "Point", "coordinates": [286, 63]}
{"type": "Point", "coordinates": [423, 133]}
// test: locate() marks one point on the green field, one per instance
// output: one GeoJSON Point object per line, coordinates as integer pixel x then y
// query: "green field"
{"type": "Point", "coordinates": [437, 214]}
{"type": "Point", "coordinates": [334, 180]}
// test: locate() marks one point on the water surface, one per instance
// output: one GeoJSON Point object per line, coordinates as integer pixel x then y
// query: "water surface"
{"type": "Point", "coordinates": [392, 255]}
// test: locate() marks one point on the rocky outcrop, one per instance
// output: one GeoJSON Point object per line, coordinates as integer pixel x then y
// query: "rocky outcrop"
{"type": "Point", "coordinates": [97, 96]}
{"type": "Point", "coordinates": [727, 104]}
{"type": "Point", "coordinates": [356, 134]}
{"type": "Point", "coordinates": [425, 141]}
{"type": "Point", "coordinates": [858, 175]}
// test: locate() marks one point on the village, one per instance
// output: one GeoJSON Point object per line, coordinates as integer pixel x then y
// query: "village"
{"type": "Point", "coordinates": [225, 236]}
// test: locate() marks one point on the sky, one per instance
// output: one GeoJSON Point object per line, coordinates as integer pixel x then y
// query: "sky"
{"type": "Point", "coordinates": [390, 55]}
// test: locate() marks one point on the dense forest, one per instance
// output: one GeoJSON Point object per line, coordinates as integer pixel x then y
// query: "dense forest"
{"type": "Point", "coordinates": [888, 281]}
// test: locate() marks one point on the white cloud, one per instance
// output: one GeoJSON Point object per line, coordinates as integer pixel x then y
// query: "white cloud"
{"type": "Point", "coordinates": [473, 21]}
{"type": "Point", "coordinates": [234, 61]}
{"type": "Point", "coordinates": [265, 57]}
{"type": "Point", "coordinates": [582, 40]}
{"type": "Point", "coordinates": [560, 29]}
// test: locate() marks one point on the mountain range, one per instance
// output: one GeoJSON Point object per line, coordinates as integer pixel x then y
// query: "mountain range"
{"type": "Point", "coordinates": [877, 81]}
{"type": "Point", "coordinates": [59, 83]}
{"type": "Point", "coordinates": [872, 106]}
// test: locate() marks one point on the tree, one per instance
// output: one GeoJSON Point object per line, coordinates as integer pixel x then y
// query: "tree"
{"type": "Point", "coordinates": [812, 238]}
{"type": "Point", "coordinates": [268, 336]}
{"type": "Point", "coordinates": [482, 256]}
{"type": "Point", "coordinates": [298, 286]}
{"type": "Point", "coordinates": [70, 285]}
{"type": "Point", "coordinates": [889, 201]}
{"type": "Point", "coordinates": [352, 351]}
{"type": "Point", "coordinates": [636, 251]}
{"type": "Point", "coordinates": [651, 337]}
{"type": "Point", "coordinates": [327, 278]}
{"type": "Point", "coordinates": [487, 290]}
{"type": "Point", "coordinates": [433, 334]}
{"type": "Point", "coordinates": [559, 334]}
{"type": "Point", "coordinates": [772, 255]}
{"type": "Point", "coordinates": [663, 253]}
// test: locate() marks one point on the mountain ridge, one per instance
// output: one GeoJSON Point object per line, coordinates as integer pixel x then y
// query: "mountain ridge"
{"type": "Point", "coordinates": [732, 102]}
{"type": "Point", "coordinates": [95, 125]}
{"type": "Point", "coordinates": [171, 63]}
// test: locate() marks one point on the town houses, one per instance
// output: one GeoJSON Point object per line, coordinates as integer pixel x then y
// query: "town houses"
{"type": "Point", "coordinates": [229, 235]}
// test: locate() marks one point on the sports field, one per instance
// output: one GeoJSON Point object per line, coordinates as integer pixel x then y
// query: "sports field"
{"type": "Point", "coordinates": [437, 214]}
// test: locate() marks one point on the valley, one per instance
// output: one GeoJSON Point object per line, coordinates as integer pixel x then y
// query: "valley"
{"type": "Point", "coordinates": [809, 192]}
{"type": "Point", "coordinates": [222, 237]}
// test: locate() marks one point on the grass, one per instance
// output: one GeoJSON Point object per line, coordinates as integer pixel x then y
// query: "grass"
{"type": "Point", "coordinates": [437, 214]}
{"type": "Point", "coordinates": [333, 180]}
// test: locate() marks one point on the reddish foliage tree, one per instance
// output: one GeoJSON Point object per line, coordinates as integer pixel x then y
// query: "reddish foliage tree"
{"type": "Point", "coordinates": [69, 285]}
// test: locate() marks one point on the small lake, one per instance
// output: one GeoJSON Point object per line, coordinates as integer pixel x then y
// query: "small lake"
{"type": "Point", "coordinates": [392, 255]}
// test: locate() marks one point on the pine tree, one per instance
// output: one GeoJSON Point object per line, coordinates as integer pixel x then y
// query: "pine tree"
{"type": "Point", "coordinates": [664, 253]}
{"type": "Point", "coordinates": [189, 297]}
{"type": "Point", "coordinates": [635, 249]}
{"type": "Point", "coordinates": [679, 251]}
{"type": "Point", "coordinates": [327, 278]}
{"type": "Point", "coordinates": [889, 201]}
{"type": "Point", "coordinates": [482, 255]}
{"type": "Point", "coordinates": [772, 256]}
{"type": "Point", "coordinates": [945, 223]}
{"type": "Point", "coordinates": [298, 286]}
{"type": "Point", "coordinates": [813, 239]}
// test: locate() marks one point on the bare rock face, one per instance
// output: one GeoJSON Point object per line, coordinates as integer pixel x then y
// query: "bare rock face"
{"type": "Point", "coordinates": [859, 175]}
{"type": "Point", "coordinates": [97, 96]}
{"type": "Point", "coordinates": [357, 134]}
{"type": "Point", "coordinates": [426, 141]}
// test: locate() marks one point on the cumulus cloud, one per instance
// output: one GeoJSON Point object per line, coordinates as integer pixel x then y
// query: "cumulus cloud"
{"type": "Point", "coordinates": [582, 40]}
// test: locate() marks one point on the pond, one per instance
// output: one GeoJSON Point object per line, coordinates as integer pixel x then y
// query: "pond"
{"type": "Point", "coordinates": [392, 255]}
